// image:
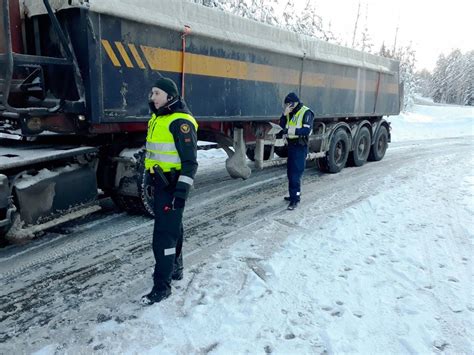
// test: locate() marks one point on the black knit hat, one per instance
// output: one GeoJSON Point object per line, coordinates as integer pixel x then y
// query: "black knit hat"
{"type": "Point", "coordinates": [167, 85]}
{"type": "Point", "coordinates": [291, 97]}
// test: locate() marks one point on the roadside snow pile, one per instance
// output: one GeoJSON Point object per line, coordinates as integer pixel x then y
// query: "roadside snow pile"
{"type": "Point", "coordinates": [433, 121]}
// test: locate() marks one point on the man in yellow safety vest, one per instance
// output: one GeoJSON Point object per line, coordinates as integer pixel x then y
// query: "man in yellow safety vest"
{"type": "Point", "coordinates": [297, 124]}
{"type": "Point", "coordinates": [171, 163]}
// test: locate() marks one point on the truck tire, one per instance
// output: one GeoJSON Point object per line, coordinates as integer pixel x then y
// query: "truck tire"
{"type": "Point", "coordinates": [338, 152]}
{"type": "Point", "coordinates": [322, 165]}
{"type": "Point", "coordinates": [250, 152]}
{"type": "Point", "coordinates": [143, 203]}
{"type": "Point", "coordinates": [129, 204]}
{"type": "Point", "coordinates": [379, 147]}
{"type": "Point", "coordinates": [361, 148]}
{"type": "Point", "coordinates": [146, 191]}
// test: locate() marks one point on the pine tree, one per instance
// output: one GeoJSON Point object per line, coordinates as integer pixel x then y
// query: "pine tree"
{"type": "Point", "coordinates": [453, 78]}
{"type": "Point", "coordinates": [438, 83]}
{"type": "Point", "coordinates": [407, 57]}
{"type": "Point", "coordinates": [468, 80]}
{"type": "Point", "coordinates": [366, 44]}
{"type": "Point", "coordinates": [424, 79]}
{"type": "Point", "coordinates": [384, 51]}
{"type": "Point", "coordinates": [306, 22]}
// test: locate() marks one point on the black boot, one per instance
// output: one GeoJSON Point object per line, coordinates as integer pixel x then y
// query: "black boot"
{"type": "Point", "coordinates": [292, 205]}
{"type": "Point", "coordinates": [155, 296]}
{"type": "Point", "coordinates": [288, 198]}
{"type": "Point", "coordinates": [178, 268]}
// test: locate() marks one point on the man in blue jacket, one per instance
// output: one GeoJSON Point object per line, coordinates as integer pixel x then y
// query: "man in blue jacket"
{"type": "Point", "coordinates": [297, 123]}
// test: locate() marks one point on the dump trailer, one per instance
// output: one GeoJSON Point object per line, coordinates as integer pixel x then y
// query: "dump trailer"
{"type": "Point", "coordinates": [75, 78]}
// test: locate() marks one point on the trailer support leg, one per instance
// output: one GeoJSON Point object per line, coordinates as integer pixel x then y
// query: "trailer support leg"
{"type": "Point", "coordinates": [259, 153]}
{"type": "Point", "coordinates": [236, 164]}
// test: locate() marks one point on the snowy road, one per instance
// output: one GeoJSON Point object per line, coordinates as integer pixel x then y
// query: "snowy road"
{"type": "Point", "coordinates": [57, 289]}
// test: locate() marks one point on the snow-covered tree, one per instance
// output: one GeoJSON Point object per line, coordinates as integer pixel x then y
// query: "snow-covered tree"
{"type": "Point", "coordinates": [468, 80]}
{"type": "Point", "coordinates": [384, 51]}
{"type": "Point", "coordinates": [424, 78]}
{"type": "Point", "coordinates": [438, 81]}
{"type": "Point", "coordinates": [453, 78]}
{"type": "Point", "coordinates": [366, 44]}
{"type": "Point", "coordinates": [281, 13]}
{"type": "Point", "coordinates": [407, 57]}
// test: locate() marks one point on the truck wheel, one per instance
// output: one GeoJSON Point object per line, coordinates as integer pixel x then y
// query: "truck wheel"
{"type": "Point", "coordinates": [338, 151]}
{"type": "Point", "coordinates": [146, 192]}
{"type": "Point", "coordinates": [143, 202]}
{"type": "Point", "coordinates": [129, 204]}
{"type": "Point", "coordinates": [362, 147]}
{"type": "Point", "coordinates": [322, 165]}
{"type": "Point", "coordinates": [250, 152]}
{"type": "Point", "coordinates": [380, 145]}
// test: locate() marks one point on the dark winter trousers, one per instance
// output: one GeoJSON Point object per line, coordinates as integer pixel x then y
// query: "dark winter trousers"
{"type": "Point", "coordinates": [167, 237]}
{"type": "Point", "coordinates": [295, 167]}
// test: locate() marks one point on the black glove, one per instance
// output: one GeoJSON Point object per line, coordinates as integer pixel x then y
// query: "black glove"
{"type": "Point", "coordinates": [178, 203]}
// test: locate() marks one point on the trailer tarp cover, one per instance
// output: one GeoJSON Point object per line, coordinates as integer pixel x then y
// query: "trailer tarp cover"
{"type": "Point", "coordinates": [220, 25]}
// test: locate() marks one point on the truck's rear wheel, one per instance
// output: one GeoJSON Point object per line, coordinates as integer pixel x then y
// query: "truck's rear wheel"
{"type": "Point", "coordinates": [129, 204]}
{"type": "Point", "coordinates": [338, 151]}
{"type": "Point", "coordinates": [362, 147]}
{"type": "Point", "coordinates": [377, 152]}
{"type": "Point", "coordinates": [146, 192]}
{"type": "Point", "coordinates": [322, 165]}
{"type": "Point", "coordinates": [143, 201]}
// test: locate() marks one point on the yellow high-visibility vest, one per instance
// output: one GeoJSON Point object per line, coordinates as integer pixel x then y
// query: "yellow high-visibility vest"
{"type": "Point", "coordinates": [160, 147]}
{"type": "Point", "coordinates": [296, 121]}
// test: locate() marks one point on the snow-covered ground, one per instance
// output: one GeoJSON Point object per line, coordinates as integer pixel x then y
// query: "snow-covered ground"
{"type": "Point", "coordinates": [388, 273]}
{"type": "Point", "coordinates": [433, 121]}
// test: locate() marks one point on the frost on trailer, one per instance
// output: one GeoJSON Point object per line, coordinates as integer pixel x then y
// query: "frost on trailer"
{"type": "Point", "coordinates": [78, 74]}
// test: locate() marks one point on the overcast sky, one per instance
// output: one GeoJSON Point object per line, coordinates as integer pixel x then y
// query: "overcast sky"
{"type": "Point", "coordinates": [433, 26]}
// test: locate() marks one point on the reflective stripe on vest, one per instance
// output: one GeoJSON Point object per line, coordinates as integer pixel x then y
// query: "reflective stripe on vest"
{"type": "Point", "coordinates": [160, 147]}
{"type": "Point", "coordinates": [296, 121]}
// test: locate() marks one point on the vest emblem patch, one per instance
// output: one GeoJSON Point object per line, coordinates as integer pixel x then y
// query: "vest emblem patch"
{"type": "Point", "coordinates": [185, 128]}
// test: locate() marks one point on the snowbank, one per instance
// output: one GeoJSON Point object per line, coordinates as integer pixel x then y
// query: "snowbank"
{"type": "Point", "coordinates": [433, 121]}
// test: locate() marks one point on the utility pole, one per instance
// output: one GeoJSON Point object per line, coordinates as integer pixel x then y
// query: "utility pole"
{"type": "Point", "coordinates": [395, 42]}
{"type": "Point", "coordinates": [355, 25]}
